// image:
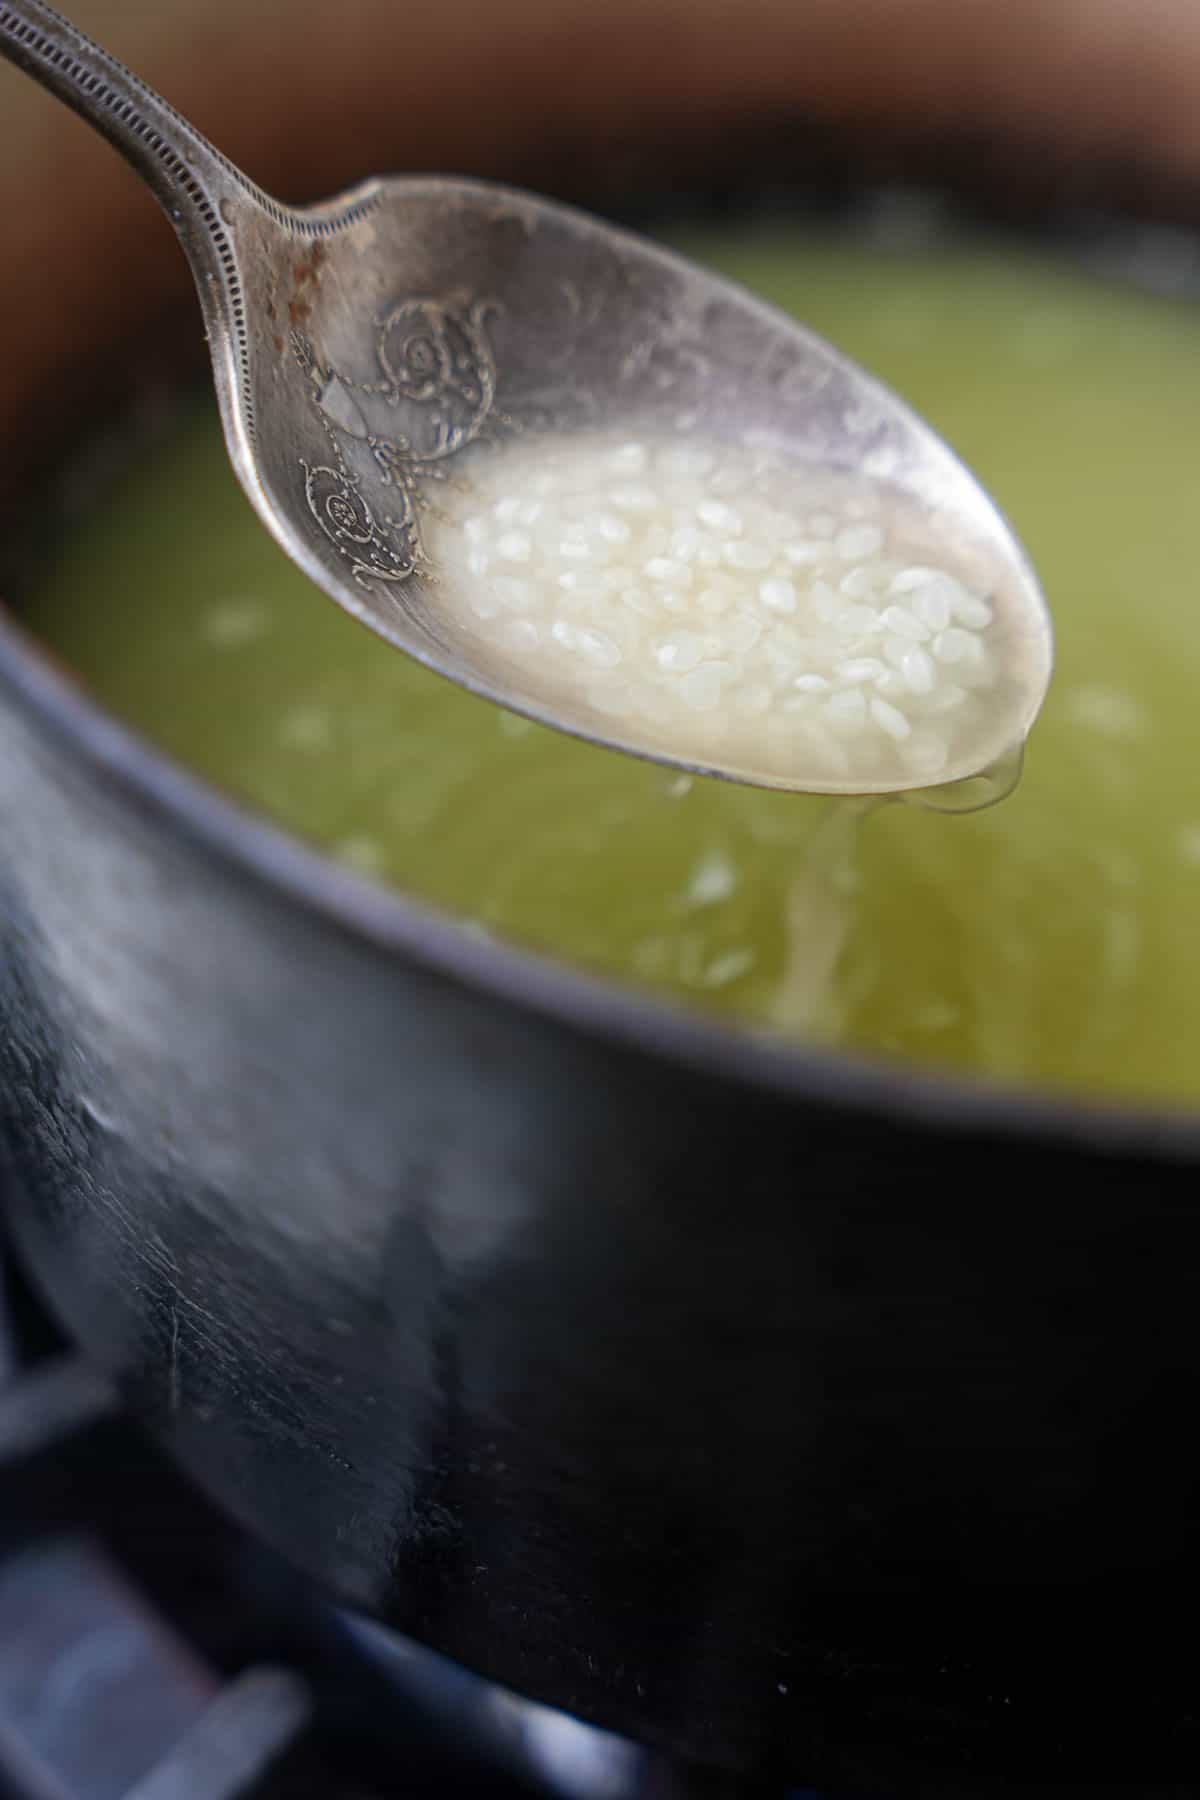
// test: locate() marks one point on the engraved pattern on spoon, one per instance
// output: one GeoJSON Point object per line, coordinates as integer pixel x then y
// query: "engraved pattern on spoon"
{"type": "Point", "coordinates": [438, 379]}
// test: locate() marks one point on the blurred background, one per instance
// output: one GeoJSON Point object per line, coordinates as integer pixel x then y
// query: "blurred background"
{"type": "Point", "coordinates": [620, 105]}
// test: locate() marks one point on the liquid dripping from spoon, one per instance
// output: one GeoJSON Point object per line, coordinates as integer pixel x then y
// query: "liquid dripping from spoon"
{"type": "Point", "coordinates": [819, 911]}
{"type": "Point", "coordinates": [973, 793]}
{"type": "Point", "coordinates": [818, 917]}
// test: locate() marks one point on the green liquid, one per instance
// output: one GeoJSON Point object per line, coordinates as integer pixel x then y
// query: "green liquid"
{"type": "Point", "coordinates": [1048, 940]}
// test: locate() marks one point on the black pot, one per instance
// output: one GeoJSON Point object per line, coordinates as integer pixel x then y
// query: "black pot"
{"type": "Point", "coordinates": [778, 1410]}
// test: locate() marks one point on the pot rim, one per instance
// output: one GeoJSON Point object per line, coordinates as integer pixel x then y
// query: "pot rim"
{"type": "Point", "coordinates": [622, 1017]}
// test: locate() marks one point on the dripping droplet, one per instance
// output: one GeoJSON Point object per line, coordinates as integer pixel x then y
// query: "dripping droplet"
{"type": "Point", "coordinates": [974, 792]}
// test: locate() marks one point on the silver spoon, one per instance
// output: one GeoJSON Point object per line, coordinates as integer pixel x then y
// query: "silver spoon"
{"type": "Point", "coordinates": [368, 348]}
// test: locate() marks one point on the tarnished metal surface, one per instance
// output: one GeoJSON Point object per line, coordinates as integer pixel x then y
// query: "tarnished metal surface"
{"type": "Point", "coordinates": [362, 346]}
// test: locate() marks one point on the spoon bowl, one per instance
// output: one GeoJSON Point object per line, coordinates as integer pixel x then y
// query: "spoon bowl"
{"type": "Point", "coordinates": [370, 350]}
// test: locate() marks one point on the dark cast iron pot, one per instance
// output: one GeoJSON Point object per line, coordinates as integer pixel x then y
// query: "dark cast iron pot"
{"type": "Point", "coordinates": [780, 1411]}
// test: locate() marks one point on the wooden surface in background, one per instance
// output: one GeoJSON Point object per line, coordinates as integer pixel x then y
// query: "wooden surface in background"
{"type": "Point", "coordinates": [308, 98]}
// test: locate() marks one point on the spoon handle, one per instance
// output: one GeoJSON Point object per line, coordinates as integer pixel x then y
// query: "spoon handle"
{"type": "Point", "coordinates": [191, 179]}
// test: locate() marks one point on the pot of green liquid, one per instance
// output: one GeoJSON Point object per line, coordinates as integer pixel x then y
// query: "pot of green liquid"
{"type": "Point", "coordinates": [717, 1263]}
